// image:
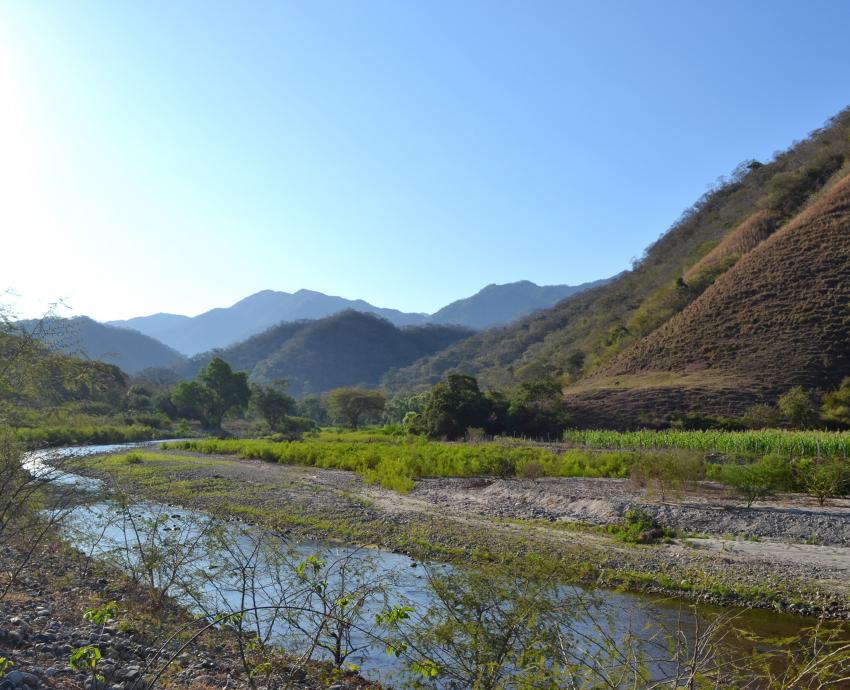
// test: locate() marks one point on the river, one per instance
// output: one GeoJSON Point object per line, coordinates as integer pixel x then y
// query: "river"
{"type": "Point", "coordinates": [102, 527]}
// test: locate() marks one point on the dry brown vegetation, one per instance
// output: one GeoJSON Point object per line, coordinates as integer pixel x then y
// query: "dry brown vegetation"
{"type": "Point", "coordinates": [743, 298]}
{"type": "Point", "coordinates": [779, 317]}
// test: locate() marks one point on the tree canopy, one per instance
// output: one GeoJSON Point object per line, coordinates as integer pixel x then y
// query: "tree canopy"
{"type": "Point", "coordinates": [351, 406]}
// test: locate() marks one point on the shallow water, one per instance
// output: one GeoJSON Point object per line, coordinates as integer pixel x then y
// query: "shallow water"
{"type": "Point", "coordinates": [105, 529]}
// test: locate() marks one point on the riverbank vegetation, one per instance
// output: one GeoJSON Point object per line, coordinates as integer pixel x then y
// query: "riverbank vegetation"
{"type": "Point", "coordinates": [396, 464]}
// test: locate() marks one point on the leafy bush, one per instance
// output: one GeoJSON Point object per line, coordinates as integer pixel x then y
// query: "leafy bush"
{"type": "Point", "coordinates": [824, 478]}
{"type": "Point", "coordinates": [756, 480]}
{"type": "Point", "coordinates": [666, 472]}
{"type": "Point", "coordinates": [798, 408]}
{"type": "Point", "coordinates": [639, 527]}
{"type": "Point", "coordinates": [761, 417]}
{"type": "Point", "coordinates": [133, 459]}
{"type": "Point", "coordinates": [835, 406]}
{"type": "Point", "coordinates": [531, 470]}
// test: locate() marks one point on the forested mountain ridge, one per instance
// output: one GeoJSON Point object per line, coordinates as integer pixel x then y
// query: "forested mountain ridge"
{"type": "Point", "coordinates": [222, 327]}
{"type": "Point", "coordinates": [85, 338]}
{"type": "Point", "coordinates": [349, 348]}
{"type": "Point", "coordinates": [580, 339]}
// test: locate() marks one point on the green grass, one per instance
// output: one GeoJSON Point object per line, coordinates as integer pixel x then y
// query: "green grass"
{"type": "Point", "coordinates": [41, 436]}
{"type": "Point", "coordinates": [397, 465]}
{"type": "Point", "coordinates": [798, 443]}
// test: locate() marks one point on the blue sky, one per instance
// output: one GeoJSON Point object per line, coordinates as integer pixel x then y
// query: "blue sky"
{"type": "Point", "coordinates": [164, 156]}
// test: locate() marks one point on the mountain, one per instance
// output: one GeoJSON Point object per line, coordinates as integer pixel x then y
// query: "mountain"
{"type": "Point", "coordinates": [224, 326]}
{"type": "Point", "coordinates": [348, 348]}
{"type": "Point", "coordinates": [154, 325]}
{"type": "Point", "coordinates": [83, 337]}
{"type": "Point", "coordinates": [745, 296]}
{"type": "Point", "coordinates": [497, 305]}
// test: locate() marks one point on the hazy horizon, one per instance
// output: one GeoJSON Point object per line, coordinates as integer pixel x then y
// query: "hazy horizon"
{"type": "Point", "coordinates": [177, 158]}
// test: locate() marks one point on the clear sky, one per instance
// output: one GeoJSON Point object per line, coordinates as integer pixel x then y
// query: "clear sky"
{"type": "Point", "coordinates": [176, 156]}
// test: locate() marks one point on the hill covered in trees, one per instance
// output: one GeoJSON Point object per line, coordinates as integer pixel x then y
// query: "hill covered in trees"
{"type": "Point", "coordinates": [349, 348]}
{"type": "Point", "coordinates": [222, 327]}
{"type": "Point", "coordinates": [745, 296]}
{"type": "Point", "coordinates": [85, 338]}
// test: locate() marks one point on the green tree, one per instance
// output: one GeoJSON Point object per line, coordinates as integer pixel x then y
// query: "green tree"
{"type": "Point", "coordinates": [798, 408]}
{"type": "Point", "coordinates": [191, 400]}
{"type": "Point", "coordinates": [228, 390]}
{"type": "Point", "coordinates": [311, 407]}
{"type": "Point", "coordinates": [138, 398]}
{"type": "Point", "coordinates": [455, 405]}
{"type": "Point", "coordinates": [272, 403]}
{"type": "Point", "coordinates": [835, 405]}
{"type": "Point", "coordinates": [758, 479]}
{"type": "Point", "coordinates": [398, 407]}
{"type": "Point", "coordinates": [352, 405]}
{"type": "Point", "coordinates": [761, 416]}
{"type": "Point", "coordinates": [825, 478]}
{"type": "Point", "coordinates": [537, 409]}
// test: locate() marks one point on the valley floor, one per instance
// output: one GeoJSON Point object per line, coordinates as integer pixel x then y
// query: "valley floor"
{"type": "Point", "coordinates": [725, 553]}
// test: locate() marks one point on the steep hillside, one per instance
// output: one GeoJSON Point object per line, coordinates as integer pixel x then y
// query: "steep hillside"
{"type": "Point", "coordinates": [224, 326]}
{"type": "Point", "coordinates": [127, 349]}
{"type": "Point", "coordinates": [497, 305]}
{"type": "Point", "coordinates": [350, 348]}
{"type": "Point", "coordinates": [779, 317]}
{"type": "Point", "coordinates": [581, 335]}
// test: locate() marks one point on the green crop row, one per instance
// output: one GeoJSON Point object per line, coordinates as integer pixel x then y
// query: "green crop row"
{"type": "Point", "coordinates": [761, 442]}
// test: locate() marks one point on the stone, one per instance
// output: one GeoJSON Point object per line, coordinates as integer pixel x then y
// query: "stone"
{"type": "Point", "coordinates": [19, 678]}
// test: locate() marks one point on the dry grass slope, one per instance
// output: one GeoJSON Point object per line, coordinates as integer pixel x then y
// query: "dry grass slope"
{"type": "Point", "coordinates": [779, 317]}
{"type": "Point", "coordinates": [582, 337]}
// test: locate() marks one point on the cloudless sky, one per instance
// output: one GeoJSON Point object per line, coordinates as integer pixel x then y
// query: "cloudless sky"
{"type": "Point", "coordinates": [177, 156]}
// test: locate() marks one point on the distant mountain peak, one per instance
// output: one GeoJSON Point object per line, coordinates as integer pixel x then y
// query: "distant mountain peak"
{"type": "Point", "coordinates": [224, 326]}
{"type": "Point", "coordinates": [497, 305]}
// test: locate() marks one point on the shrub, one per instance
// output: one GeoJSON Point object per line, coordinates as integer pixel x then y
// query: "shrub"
{"type": "Point", "coordinates": [134, 458]}
{"type": "Point", "coordinates": [798, 408]}
{"type": "Point", "coordinates": [666, 472]}
{"type": "Point", "coordinates": [531, 470]}
{"type": "Point", "coordinates": [761, 417]}
{"type": "Point", "coordinates": [758, 479]}
{"type": "Point", "coordinates": [639, 527]}
{"type": "Point", "coordinates": [835, 406]}
{"type": "Point", "coordinates": [825, 478]}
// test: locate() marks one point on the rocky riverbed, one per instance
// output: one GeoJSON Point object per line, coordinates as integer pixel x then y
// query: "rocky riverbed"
{"type": "Point", "coordinates": [704, 508]}
{"type": "Point", "coordinates": [727, 554]}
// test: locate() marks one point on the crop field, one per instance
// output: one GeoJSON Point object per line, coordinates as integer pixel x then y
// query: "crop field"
{"type": "Point", "coordinates": [798, 443]}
